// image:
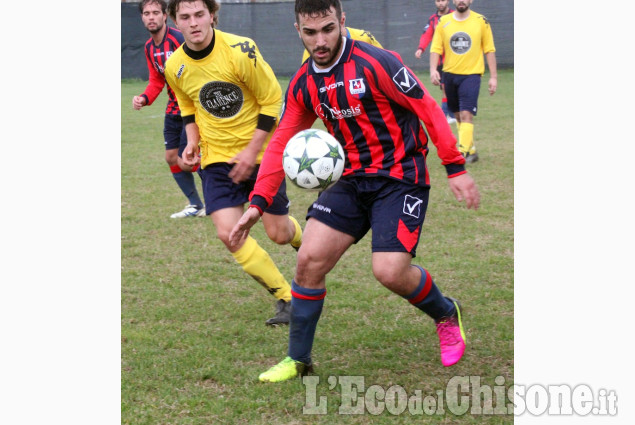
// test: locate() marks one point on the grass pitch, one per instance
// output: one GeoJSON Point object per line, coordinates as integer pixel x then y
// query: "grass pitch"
{"type": "Point", "coordinates": [193, 339]}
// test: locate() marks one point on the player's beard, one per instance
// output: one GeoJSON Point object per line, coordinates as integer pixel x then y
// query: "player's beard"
{"type": "Point", "coordinates": [331, 58]}
{"type": "Point", "coordinates": [156, 29]}
{"type": "Point", "coordinates": [462, 8]}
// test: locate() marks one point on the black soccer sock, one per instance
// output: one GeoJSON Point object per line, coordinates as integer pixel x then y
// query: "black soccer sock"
{"type": "Point", "coordinates": [429, 299]}
{"type": "Point", "coordinates": [306, 308]}
{"type": "Point", "coordinates": [185, 180]}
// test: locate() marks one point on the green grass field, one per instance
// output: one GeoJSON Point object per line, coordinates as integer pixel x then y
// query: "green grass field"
{"type": "Point", "coordinates": [193, 339]}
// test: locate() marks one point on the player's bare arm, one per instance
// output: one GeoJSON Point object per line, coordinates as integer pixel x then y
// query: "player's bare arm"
{"type": "Point", "coordinates": [190, 153]}
{"type": "Point", "coordinates": [465, 189]}
{"type": "Point", "coordinates": [435, 77]}
{"type": "Point", "coordinates": [246, 159]}
{"type": "Point", "coordinates": [493, 74]}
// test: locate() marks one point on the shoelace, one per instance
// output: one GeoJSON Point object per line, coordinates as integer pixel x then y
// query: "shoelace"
{"type": "Point", "coordinates": [449, 331]}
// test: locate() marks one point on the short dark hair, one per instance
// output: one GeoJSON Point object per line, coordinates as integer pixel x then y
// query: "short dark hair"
{"type": "Point", "coordinates": [317, 8]}
{"type": "Point", "coordinates": [162, 3]}
{"type": "Point", "coordinates": [212, 6]}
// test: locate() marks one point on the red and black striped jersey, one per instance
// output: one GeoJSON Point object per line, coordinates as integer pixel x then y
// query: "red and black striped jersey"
{"type": "Point", "coordinates": [373, 105]}
{"type": "Point", "coordinates": [428, 31]}
{"type": "Point", "coordinates": [156, 56]}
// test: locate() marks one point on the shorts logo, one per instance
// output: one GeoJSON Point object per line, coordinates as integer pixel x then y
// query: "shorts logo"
{"type": "Point", "coordinates": [221, 99]}
{"type": "Point", "coordinates": [412, 206]}
{"type": "Point", "coordinates": [460, 43]}
{"type": "Point", "coordinates": [404, 80]}
{"type": "Point", "coordinates": [356, 86]}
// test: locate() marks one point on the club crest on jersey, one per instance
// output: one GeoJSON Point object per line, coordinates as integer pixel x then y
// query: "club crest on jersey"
{"type": "Point", "coordinates": [412, 206]}
{"type": "Point", "coordinates": [221, 99]}
{"type": "Point", "coordinates": [404, 80]}
{"type": "Point", "coordinates": [460, 43]}
{"type": "Point", "coordinates": [356, 86]}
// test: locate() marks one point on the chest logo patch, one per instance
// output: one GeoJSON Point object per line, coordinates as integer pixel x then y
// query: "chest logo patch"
{"type": "Point", "coordinates": [221, 99]}
{"type": "Point", "coordinates": [460, 43]}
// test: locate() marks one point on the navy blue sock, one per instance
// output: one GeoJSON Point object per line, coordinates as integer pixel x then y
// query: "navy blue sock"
{"type": "Point", "coordinates": [306, 310]}
{"type": "Point", "coordinates": [429, 299]}
{"type": "Point", "coordinates": [185, 180]}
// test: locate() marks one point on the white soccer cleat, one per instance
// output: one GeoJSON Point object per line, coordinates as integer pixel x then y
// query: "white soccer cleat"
{"type": "Point", "coordinates": [189, 211]}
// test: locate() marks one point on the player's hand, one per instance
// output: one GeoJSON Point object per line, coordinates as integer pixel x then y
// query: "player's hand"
{"type": "Point", "coordinates": [241, 229]}
{"type": "Point", "coordinates": [138, 102]}
{"type": "Point", "coordinates": [435, 77]}
{"type": "Point", "coordinates": [244, 164]}
{"type": "Point", "coordinates": [465, 189]}
{"type": "Point", "coordinates": [418, 53]}
{"type": "Point", "coordinates": [493, 84]}
{"type": "Point", "coordinates": [190, 155]}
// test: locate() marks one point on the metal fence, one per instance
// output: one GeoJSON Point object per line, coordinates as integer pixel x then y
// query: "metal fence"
{"type": "Point", "coordinates": [397, 24]}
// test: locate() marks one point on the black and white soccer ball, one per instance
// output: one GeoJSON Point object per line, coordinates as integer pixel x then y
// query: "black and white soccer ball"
{"type": "Point", "coordinates": [313, 159]}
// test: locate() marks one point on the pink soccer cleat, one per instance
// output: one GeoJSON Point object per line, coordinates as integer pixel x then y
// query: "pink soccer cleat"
{"type": "Point", "coordinates": [451, 336]}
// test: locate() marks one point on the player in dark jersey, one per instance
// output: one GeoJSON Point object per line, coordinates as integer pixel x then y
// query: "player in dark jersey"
{"type": "Point", "coordinates": [424, 41]}
{"type": "Point", "coordinates": [163, 42]}
{"type": "Point", "coordinates": [373, 104]}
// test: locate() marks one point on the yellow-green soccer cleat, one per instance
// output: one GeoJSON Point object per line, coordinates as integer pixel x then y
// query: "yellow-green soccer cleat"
{"type": "Point", "coordinates": [285, 370]}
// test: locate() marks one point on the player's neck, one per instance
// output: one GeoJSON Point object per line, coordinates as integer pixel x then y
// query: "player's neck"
{"type": "Point", "coordinates": [157, 37]}
{"type": "Point", "coordinates": [461, 16]}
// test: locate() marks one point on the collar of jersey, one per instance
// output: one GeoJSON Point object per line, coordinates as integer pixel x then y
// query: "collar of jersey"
{"type": "Point", "coordinates": [200, 54]}
{"type": "Point", "coordinates": [348, 44]}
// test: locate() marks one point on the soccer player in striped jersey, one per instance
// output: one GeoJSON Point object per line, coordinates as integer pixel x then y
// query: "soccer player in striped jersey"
{"type": "Point", "coordinates": [463, 37]}
{"type": "Point", "coordinates": [230, 100]}
{"type": "Point", "coordinates": [162, 43]}
{"type": "Point", "coordinates": [426, 38]}
{"type": "Point", "coordinates": [373, 104]}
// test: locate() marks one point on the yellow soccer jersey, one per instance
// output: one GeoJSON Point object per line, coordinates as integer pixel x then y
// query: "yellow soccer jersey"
{"type": "Point", "coordinates": [226, 91]}
{"type": "Point", "coordinates": [355, 34]}
{"type": "Point", "coordinates": [463, 43]}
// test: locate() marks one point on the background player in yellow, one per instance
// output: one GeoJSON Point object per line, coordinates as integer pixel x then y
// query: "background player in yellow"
{"type": "Point", "coordinates": [464, 37]}
{"type": "Point", "coordinates": [355, 34]}
{"type": "Point", "coordinates": [230, 100]}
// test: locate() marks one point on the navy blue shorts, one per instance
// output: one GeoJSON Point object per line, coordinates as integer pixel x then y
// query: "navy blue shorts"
{"type": "Point", "coordinates": [462, 92]}
{"type": "Point", "coordinates": [392, 209]}
{"type": "Point", "coordinates": [219, 191]}
{"type": "Point", "coordinates": [174, 133]}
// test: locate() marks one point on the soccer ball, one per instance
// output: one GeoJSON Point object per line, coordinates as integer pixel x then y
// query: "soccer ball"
{"type": "Point", "coordinates": [313, 159]}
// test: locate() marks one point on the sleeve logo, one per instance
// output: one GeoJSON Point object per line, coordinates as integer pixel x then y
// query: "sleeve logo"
{"type": "Point", "coordinates": [404, 80]}
{"type": "Point", "coordinates": [246, 48]}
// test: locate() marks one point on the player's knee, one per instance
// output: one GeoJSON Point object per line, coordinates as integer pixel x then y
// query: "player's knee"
{"type": "Point", "coordinates": [223, 236]}
{"type": "Point", "coordinates": [309, 270]}
{"type": "Point", "coordinates": [389, 277]}
{"type": "Point", "coordinates": [278, 235]}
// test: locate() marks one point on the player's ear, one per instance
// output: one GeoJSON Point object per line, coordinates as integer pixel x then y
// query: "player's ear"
{"type": "Point", "coordinates": [297, 28]}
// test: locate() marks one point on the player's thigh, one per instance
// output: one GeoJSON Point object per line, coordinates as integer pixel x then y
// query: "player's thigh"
{"type": "Point", "coordinates": [322, 247]}
{"type": "Point", "coordinates": [172, 132]}
{"type": "Point", "coordinates": [171, 156]}
{"type": "Point", "coordinates": [450, 87]}
{"type": "Point", "coordinates": [468, 91]}
{"type": "Point", "coordinates": [397, 216]}
{"type": "Point", "coordinates": [219, 191]}
{"type": "Point", "coordinates": [224, 221]}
